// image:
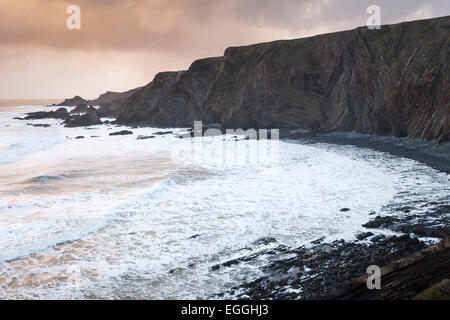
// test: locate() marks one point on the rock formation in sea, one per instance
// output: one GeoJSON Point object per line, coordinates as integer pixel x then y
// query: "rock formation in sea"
{"type": "Point", "coordinates": [72, 102]}
{"type": "Point", "coordinates": [90, 118]}
{"type": "Point", "coordinates": [393, 81]}
{"type": "Point", "coordinates": [60, 113]}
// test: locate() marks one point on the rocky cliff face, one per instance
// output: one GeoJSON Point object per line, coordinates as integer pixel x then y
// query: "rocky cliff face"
{"type": "Point", "coordinates": [173, 98]}
{"type": "Point", "coordinates": [110, 102]}
{"type": "Point", "coordinates": [393, 81]}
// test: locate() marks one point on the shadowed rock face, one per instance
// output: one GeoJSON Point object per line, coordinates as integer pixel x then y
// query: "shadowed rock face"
{"type": "Point", "coordinates": [143, 105]}
{"type": "Point", "coordinates": [173, 98]}
{"type": "Point", "coordinates": [90, 118]}
{"type": "Point", "coordinates": [393, 81]}
{"type": "Point", "coordinates": [110, 102]}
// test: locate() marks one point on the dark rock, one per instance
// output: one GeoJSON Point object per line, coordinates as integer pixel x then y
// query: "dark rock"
{"type": "Point", "coordinates": [90, 118]}
{"type": "Point", "coordinates": [175, 270]}
{"type": "Point", "coordinates": [426, 231]}
{"type": "Point", "coordinates": [79, 137]}
{"type": "Point", "coordinates": [60, 113]}
{"type": "Point", "coordinates": [344, 209]}
{"type": "Point", "coordinates": [110, 102]}
{"type": "Point", "coordinates": [377, 238]}
{"type": "Point", "coordinates": [121, 133]}
{"type": "Point", "coordinates": [75, 101]}
{"type": "Point", "coordinates": [264, 241]}
{"type": "Point", "coordinates": [145, 137]}
{"type": "Point", "coordinates": [364, 235]}
{"type": "Point", "coordinates": [380, 222]}
{"type": "Point", "coordinates": [42, 125]}
{"type": "Point", "coordinates": [318, 240]}
{"type": "Point", "coordinates": [346, 81]}
{"type": "Point", "coordinates": [81, 108]}
{"type": "Point", "coordinates": [161, 133]}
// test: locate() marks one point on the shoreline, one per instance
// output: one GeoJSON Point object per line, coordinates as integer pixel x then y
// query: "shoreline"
{"type": "Point", "coordinates": [328, 269]}
{"type": "Point", "coordinates": [436, 156]}
{"type": "Point", "coordinates": [337, 270]}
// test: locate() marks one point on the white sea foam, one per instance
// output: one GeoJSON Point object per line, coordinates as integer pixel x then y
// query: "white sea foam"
{"type": "Point", "coordinates": [141, 222]}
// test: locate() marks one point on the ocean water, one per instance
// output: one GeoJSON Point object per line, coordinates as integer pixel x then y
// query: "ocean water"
{"type": "Point", "coordinates": [113, 217]}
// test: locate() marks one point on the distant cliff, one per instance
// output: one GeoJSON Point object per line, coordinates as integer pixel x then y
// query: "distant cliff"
{"type": "Point", "coordinates": [110, 102]}
{"type": "Point", "coordinates": [392, 81]}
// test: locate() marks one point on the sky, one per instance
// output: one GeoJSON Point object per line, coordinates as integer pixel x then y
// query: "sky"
{"type": "Point", "coordinates": [122, 44]}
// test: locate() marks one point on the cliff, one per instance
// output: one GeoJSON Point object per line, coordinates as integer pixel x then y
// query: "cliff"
{"type": "Point", "coordinates": [110, 101]}
{"type": "Point", "coordinates": [392, 81]}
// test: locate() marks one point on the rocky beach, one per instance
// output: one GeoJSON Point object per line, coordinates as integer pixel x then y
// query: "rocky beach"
{"type": "Point", "coordinates": [121, 189]}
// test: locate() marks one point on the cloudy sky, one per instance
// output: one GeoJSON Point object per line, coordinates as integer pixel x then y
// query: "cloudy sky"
{"type": "Point", "coordinates": [122, 44]}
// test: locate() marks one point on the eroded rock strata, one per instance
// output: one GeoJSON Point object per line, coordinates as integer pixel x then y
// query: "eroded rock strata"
{"type": "Point", "coordinates": [392, 81]}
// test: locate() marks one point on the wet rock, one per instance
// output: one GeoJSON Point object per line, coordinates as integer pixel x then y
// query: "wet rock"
{"type": "Point", "coordinates": [81, 108]}
{"type": "Point", "coordinates": [364, 235]}
{"type": "Point", "coordinates": [426, 231]}
{"type": "Point", "coordinates": [39, 125]}
{"type": "Point", "coordinates": [121, 133]}
{"type": "Point", "coordinates": [88, 119]}
{"type": "Point", "coordinates": [380, 222]}
{"type": "Point", "coordinates": [321, 272]}
{"type": "Point", "coordinates": [161, 133]}
{"type": "Point", "coordinates": [61, 114]}
{"type": "Point", "coordinates": [377, 238]}
{"type": "Point", "coordinates": [317, 241]}
{"type": "Point", "coordinates": [176, 271]}
{"type": "Point", "coordinates": [144, 137]}
{"type": "Point", "coordinates": [264, 241]}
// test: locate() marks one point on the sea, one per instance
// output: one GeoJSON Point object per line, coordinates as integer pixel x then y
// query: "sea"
{"type": "Point", "coordinates": [116, 217]}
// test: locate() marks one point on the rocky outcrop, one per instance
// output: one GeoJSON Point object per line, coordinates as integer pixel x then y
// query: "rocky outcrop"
{"type": "Point", "coordinates": [110, 102]}
{"type": "Point", "coordinates": [75, 101]}
{"type": "Point", "coordinates": [142, 105]}
{"type": "Point", "coordinates": [90, 118]}
{"type": "Point", "coordinates": [121, 133]}
{"type": "Point", "coordinates": [60, 113]}
{"type": "Point", "coordinates": [81, 108]}
{"type": "Point", "coordinates": [392, 81]}
{"type": "Point", "coordinates": [184, 102]}
{"type": "Point", "coordinates": [409, 277]}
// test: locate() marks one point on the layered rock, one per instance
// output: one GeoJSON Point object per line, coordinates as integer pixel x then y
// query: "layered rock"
{"type": "Point", "coordinates": [392, 81]}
